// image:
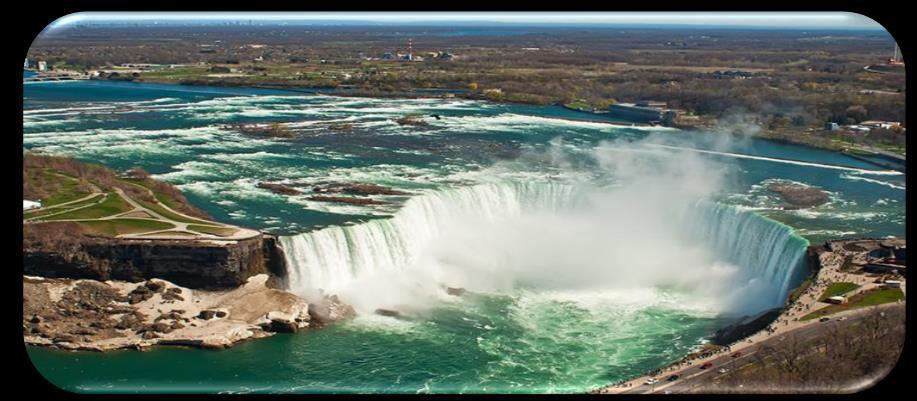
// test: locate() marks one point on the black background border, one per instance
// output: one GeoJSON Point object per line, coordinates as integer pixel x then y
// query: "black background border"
{"type": "Point", "coordinates": [28, 21]}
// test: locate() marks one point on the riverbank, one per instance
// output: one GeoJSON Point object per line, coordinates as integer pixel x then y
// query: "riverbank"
{"type": "Point", "coordinates": [834, 267]}
{"type": "Point", "coordinates": [90, 315]}
{"type": "Point", "coordinates": [116, 260]}
{"type": "Point", "coordinates": [795, 136]}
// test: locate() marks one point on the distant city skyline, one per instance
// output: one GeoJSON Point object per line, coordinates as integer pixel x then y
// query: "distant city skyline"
{"type": "Point", "coordinates": [795, 20]}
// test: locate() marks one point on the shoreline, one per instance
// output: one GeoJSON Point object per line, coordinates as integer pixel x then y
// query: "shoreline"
{"type": "Point", "coordinates": [457, 93]}
{"type": "Point", "coordinates": [323, 91]}
{"type": "Point", "coordinates": [788, 321]}
{"type": "Point", "coordinates": [100, 316]}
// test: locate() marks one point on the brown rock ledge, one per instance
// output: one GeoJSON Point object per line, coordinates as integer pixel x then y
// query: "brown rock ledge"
{"type": "Point", "coordinates": [105, 315]}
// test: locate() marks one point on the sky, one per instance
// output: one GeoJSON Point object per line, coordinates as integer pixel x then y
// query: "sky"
{"type": "Point", "coordinates": [805, 20]}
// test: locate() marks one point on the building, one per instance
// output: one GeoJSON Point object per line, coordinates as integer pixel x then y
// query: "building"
{"type": "Point", "coordinates": [646, 111]}
{"type": "Point", "coordinates": [892, 283]}
{"type": "Point", "coordinates": [857, 128]}
{"type": "Point", "coordinates": [26, 65]}
{"type": "Point", "coordinates": [882, 267]}
{"type": "Point", "coordinates": [873, 124]}
{"type": "Point", "coordinates": [897, 59]}
{"type": "Point", "coordinates": [652, 103]}
{"type": "Point", "coordinates": [737, 74]}
{"type": "Point", "coordinates": [837, 300]}
{"type": "Point", "coordinates": [29, 205]}
{"type": "Point", "coordinates": [42, 66]}
{"type": "Point", "coordinates": [388, 56]}
{"type": "Point", "coordinates": [832, 126]}
{"type": "Point", "coordinates": [901, 254]}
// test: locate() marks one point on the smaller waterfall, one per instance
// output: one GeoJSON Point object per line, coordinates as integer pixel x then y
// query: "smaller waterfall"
{"type": "Point", "coordinates": [766, 249]}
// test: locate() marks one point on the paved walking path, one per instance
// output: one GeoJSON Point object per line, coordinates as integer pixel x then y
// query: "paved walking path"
{"type": "Point", "coordinates": [693, 377]}
{"type": "Point", "coordinates": [179, 231]}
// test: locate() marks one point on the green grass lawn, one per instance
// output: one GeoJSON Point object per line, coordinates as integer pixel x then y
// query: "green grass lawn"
{"type": "Point", "coordinates": [125, 226]}
{"type": "Point", "coordinates": [837, 289]}
{"type": "Point", "coordinates": [63, 209]}
{"type": "Point", "coordinates": [114, 204]}
{"type": "Point", "coordinates": [862, 300]}
{"type": "Point", "coordinates": [165, 200]}
{"type": "Point", "coordinates": [219, 231]}
{"type": "Point", "coordinates": [175, 73]}
{"type": "Point", "coordinates": [65, 186]}
{"type": "Point", "coordinates": [168, 214]}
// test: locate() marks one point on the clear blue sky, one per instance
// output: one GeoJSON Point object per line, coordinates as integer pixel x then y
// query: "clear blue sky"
{"type": "Point", "coordinates": [813, 20]}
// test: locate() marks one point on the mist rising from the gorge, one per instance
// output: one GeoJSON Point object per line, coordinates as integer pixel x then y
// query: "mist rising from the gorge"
{"type": "Point", "coordinates": [641, 227]}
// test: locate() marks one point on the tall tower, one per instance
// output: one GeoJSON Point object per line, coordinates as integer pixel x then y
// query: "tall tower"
{"type": "Point", "coordinates": [898, 58]}
{"type": "Point", "coordinates": [410, 48]}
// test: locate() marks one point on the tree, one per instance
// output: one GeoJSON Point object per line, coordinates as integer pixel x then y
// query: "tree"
{"type": "Point", "coordinates": [857, 113]}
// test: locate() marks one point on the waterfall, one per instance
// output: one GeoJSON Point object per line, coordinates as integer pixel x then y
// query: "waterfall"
{"type": "Point", "coordinates": [334, 256]}
{"type": "Point", "coordinates": [765, 250]}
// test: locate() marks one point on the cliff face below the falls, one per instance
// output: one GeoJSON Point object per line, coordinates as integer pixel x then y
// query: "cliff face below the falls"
{"type": "Point", "coordinates": [189, 263]}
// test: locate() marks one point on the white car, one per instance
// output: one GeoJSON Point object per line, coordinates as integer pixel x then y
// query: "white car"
{"type": "Point", "coordinates": [722, 370]}
{"type": "Point", "coordinates": [651, 381]}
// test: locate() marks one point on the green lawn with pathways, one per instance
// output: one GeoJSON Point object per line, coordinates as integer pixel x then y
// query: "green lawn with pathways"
{"type": "Point", "coordinates": [112, 205]}
{"type": "Point", "coordinates": [218, 231]}
{"type": "Point", "coordinates": [115, 227]}
{"type": "Point", "coordinates": [862, 300]}
{"type": "Point", "coordinates": [836, 289]}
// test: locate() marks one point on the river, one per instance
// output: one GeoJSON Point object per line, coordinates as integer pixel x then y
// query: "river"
{"type": "Point", "coordinates": [587, 247]}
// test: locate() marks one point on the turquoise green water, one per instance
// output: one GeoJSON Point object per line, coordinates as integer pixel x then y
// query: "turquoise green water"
{"type": "Point", "coordinates": [481, 345]}
{"type": "Point", "coordinates": [575, 314]}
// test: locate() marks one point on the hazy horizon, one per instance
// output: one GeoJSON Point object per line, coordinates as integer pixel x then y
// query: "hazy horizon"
{"type": "Point", "coordinates": [748, 20]}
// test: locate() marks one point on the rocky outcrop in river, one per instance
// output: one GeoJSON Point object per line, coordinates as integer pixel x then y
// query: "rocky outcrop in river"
{"type": "Point", "coordinates": [798, 196]}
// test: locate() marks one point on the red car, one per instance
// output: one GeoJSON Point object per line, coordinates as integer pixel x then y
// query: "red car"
{"type": "Point", "coordinates": [737, 354]}
{"type": "Point", "coordinates": [706, 365]}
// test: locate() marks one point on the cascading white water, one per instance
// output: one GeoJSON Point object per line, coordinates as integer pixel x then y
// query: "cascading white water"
{"type": "Point", "coordinates": [768, 255]}
{"type": "Point", "coordinates": [335, 256]}
{"type": "Point", "coordinates": [765, 249]}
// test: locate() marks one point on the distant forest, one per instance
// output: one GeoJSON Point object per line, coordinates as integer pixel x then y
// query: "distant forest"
{"type": "Point", "coordinates": [786, 80]}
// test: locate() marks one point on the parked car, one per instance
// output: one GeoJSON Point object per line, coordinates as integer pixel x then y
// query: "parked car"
{"type": "Point", "coordinates": [707, 365]}
{"type": "Point", "coordinates": [737, 354]}
{"type": "Point", "coordinates": [722, 370]}
{"type": "Point", "coordinates": [651, 380]}
{"type": "Point", "coordinates": [824, 319]}
{"type": "Point", "coordinates": [672, 378]}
